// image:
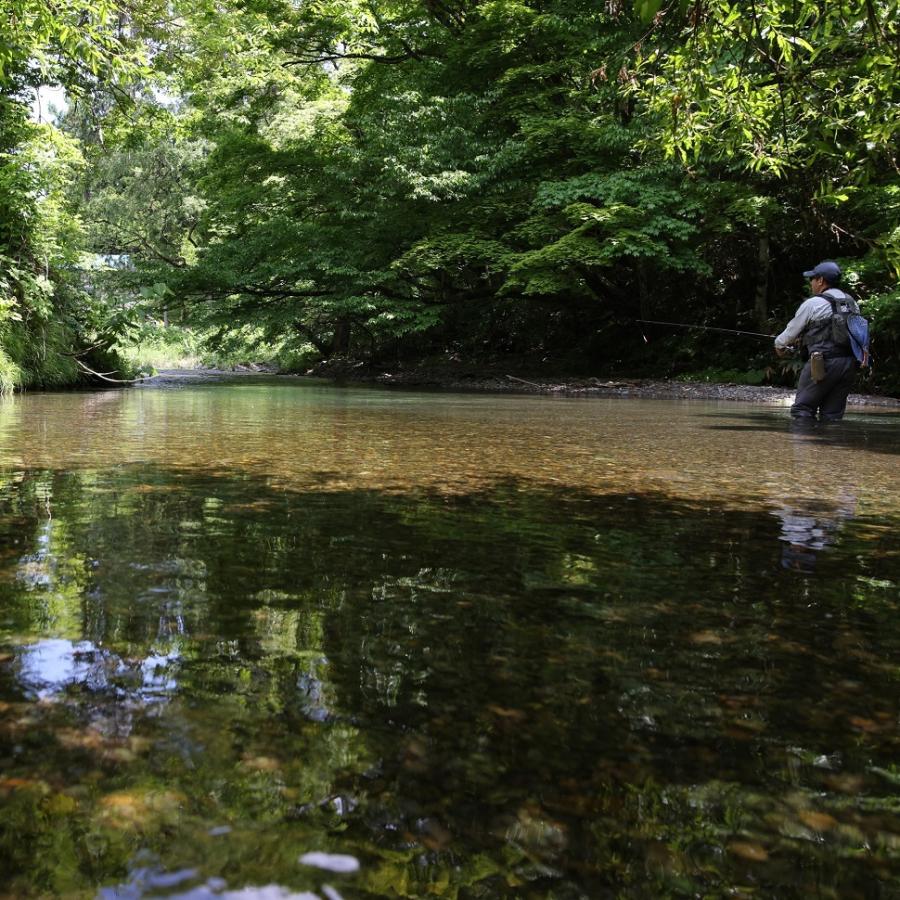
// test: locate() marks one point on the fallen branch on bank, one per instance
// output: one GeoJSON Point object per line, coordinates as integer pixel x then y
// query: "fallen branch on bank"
{"type": "Point", "coordinates": [105, 377]}
{"type": "Point", "coordinates": [523, 381]}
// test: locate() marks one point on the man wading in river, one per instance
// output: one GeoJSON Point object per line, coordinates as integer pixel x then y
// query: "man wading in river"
{"type": "Point", "coordinates": [830, 367]}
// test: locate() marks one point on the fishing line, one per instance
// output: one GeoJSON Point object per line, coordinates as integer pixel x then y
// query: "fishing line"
{"type": "Point", "coordinates": [758, 334]}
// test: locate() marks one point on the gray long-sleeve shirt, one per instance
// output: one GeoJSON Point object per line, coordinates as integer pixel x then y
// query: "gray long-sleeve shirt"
{"type": "Point", "coordinates": [810, 310]}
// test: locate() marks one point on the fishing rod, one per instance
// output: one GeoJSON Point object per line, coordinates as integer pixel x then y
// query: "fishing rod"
{"type": "Point", "coordinates": [758, 334]}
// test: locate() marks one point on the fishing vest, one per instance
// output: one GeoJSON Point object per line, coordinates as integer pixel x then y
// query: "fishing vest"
{"type": "Point", "coordinates": [830, 336]}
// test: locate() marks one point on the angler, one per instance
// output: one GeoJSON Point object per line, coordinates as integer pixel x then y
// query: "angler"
{"type": "Point", "coordinates": [821, 327]}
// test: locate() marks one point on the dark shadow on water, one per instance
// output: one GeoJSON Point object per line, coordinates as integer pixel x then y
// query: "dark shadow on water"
{"type": "Point", "coordinates": [874, 432]}
{"type": "Point", "coordinates": [576, 694]}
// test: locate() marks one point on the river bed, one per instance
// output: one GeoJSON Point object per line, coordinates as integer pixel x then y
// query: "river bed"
{"type": "Point", "coordinates": [269, 638]}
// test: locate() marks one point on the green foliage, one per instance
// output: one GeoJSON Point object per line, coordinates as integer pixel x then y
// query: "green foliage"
{"type": "Point", "coordinates": [779, 87]}
{"type": "Point", "coordinates": [883, 311]}
{"type": "Point", "coordinates": [139, 201]}
{"type": "Point", "coordinates": [401, 179]}
{"type": "Point", "coordinates": [802, 94]}
{"type": "Point", "coordinates": [153, 346]}
{"type": "Point", "coordinates": [621, 220]}
{"type": "Point", "coordinates": [10, 374]}
{"type": "Point", "coordinates": [78, 45]}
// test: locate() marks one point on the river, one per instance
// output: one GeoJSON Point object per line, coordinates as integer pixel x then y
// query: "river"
{"type": "Point", "coordinates": [275, 638]}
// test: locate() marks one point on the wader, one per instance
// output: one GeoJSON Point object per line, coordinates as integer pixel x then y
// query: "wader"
{"type": "Point", "coordinates": [829, 396]}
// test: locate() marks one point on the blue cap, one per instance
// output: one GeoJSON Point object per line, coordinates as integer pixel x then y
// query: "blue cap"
{"type": "Point", "coordinates": [828, 270]}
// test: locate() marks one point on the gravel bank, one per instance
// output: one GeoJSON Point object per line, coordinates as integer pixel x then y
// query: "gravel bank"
{"type": "Point", "coordinates": [575, 387]}
{"type": "Point", "coordinates": [591, 387]}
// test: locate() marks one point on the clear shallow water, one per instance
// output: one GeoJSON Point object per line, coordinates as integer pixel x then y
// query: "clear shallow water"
{"type": "Point", "coordinates": [486, 646]}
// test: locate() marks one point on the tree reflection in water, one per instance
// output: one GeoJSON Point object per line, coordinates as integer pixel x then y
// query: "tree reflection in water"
{"type": "Point", "coordinates": [512, 692]}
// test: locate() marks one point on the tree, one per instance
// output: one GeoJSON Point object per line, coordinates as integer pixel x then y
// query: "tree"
{"type": "Point", "coordinates": [803, 99]}
{"type": "Point", "coordinates": [77, 45]}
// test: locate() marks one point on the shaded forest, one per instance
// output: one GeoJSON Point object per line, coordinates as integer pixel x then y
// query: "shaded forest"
{"type": "Point", "coordinates": [399, 181]}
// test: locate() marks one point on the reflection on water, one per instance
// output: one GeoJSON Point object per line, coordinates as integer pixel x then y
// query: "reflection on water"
{"type": "Point", "coordinates": [49, 666]}
{"type": "Point", "coordinates": [268, 640]}
{"type": "Point", "coordinates": [807, 528]}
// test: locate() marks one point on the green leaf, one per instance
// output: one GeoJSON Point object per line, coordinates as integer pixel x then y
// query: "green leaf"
{"type": "Point", "coordinates": [647, 9]}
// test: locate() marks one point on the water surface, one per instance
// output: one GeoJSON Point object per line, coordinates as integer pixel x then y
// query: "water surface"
{"type": "Point", "coordinates": [477, 646]}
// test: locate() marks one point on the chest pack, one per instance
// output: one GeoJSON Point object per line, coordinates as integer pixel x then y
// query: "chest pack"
{"type": "Point", "coordinates": [848, 327]}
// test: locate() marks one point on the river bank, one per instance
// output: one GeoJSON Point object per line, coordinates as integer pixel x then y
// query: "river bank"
{"type": "Point", "coordinates": [432, 379]}
{"type": "Point", "coordinates": [477, 380]}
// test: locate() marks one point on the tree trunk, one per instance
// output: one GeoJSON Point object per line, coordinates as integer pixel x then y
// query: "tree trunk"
{"type": "Point", "coordinates": [341, 341]}
{"type": "Point", "coordinates": [761, 297]}
{"type": "Point", "coordinates": [643, 289]}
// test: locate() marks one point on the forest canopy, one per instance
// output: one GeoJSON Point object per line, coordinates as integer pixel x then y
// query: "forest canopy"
{"type": "Point", "coordinates": [430, 180]}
